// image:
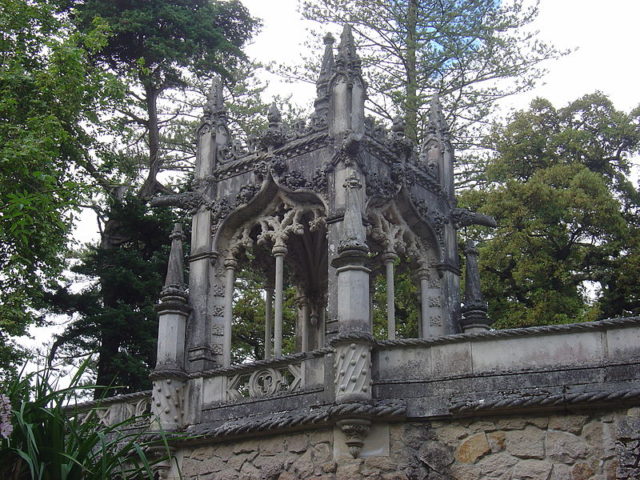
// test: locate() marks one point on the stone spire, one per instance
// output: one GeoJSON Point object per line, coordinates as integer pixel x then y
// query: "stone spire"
{"type": "Point", "coordinates": [274, 116]}
{"type": "Point", "coordinates": [174, 285]}
{"type": "Point", "coordinates": [347, 58]}
{"type": "Point", "coordinates": [322, 85]}
{"type": "Point", "coordinates": [436, 117]}
{"type": "Point", "coordinates": [215, 100]}
{"type": "Point", "coordinates": [214, 111]}
{"type": "Point", "coordinates": [474, 312]}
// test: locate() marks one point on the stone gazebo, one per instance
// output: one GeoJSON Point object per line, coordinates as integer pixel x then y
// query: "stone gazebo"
{"type": "Point", "coordinates": [325, 206]}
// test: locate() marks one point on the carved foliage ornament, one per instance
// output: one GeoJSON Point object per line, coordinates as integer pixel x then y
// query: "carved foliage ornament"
{"type": "Point", "coordinates": [264, 382]}
{"type": "Point", "coordinates": [219, 211]}
{"type": "Point", "coordinates": [389, 229]}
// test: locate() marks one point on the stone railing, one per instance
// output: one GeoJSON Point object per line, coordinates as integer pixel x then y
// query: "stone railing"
{"type": "Point", "coordinates": [288, 375]}
{"type": "Point", "coordinates": [265, 381]}
{"type": "Point", "coordinates": [114, 410]}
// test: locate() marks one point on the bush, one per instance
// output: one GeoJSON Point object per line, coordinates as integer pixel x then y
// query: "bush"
{"type": "Point", "coordinates": [43, 437]}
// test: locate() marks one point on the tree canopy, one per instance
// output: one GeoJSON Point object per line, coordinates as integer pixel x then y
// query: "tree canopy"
{"type": "Point", "coordinates": [568, 224]}
{"type": "Point", "coordinates": [152, 51]}
{"type": "Point", "coordinates": [48, 92]}
{"type": "Point", "coordinates": [472, 52]}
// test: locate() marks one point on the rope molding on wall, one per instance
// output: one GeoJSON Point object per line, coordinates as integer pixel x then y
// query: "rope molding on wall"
{"type": "Point", "coordinates": [512, 332]}
{"type": "Point", "coordinates": [544, 400]}
{"type": "Point", "coordinates": [325, 415]}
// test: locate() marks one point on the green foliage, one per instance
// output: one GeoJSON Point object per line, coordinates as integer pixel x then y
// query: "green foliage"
{"type": "Point", "coordinates": [406, 303]}
{"type": "Point", "coordinates": [249, 317]}
{"type": "Point", "coordinates": [161, 40]}
{"type": "Point", "coordinates": [47, 92]}
{"type": "Point", "coordinates": [115, 315]}
{"type": "Point", "coordinates": [567, 215]}
{"type": "Point", "coordinates": [158, 49]}
{"type": "Point", "coordinates": [51, 441]}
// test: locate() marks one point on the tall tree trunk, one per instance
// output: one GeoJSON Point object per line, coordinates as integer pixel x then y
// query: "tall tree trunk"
{"type": "Point", "coordinates": [113, 234]}
{"type": "Point", "coordinates": [411, 101]}
{"type": "Point", "coordinates": [151, 185]}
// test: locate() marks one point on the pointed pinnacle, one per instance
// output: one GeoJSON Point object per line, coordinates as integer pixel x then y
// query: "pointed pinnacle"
{"type": "Point", "coordinates": [436, 117]}
{"type": "Point", "coordinates": [215, 100]}
{"type": "Point", "coordinates": [327, 61]}
{"type": "Point", "coordinates": [347, 56]}
{"type": "Point", "coordinates": [273, 116]}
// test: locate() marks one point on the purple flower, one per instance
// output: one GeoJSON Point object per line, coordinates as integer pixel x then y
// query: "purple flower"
{"type": "Point", "coordinates": [5, 417]}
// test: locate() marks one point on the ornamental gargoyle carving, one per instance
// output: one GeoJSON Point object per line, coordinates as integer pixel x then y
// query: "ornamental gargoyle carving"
{"type": "Point", "coordinates": [462, 217]}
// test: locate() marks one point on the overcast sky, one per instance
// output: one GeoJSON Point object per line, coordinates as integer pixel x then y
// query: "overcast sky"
{"type": "Point", "coordinates": [604, 34]}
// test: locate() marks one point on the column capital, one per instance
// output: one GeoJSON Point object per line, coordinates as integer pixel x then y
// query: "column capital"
{"type": "Point", "coordinates": [389, 256]}
{"type": "Point", "coordinates": [279, 250]}
{"type": "Point", "coordinates": [230, 263]}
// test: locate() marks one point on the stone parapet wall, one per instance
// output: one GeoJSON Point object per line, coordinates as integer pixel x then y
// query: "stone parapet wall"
{"type": "Point", "coordinates": [582, 445]}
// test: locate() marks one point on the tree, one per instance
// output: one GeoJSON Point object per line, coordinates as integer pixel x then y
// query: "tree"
{"type": "Point", "coordinates": [115, 315]}
{"type": "Point", "coordinates": [43, 436]}
{"type": "Point", "coordinates": [157, 48]}
{"type": "Point", "coordinates": [472, 52]}
{"type": "Point", "coordinates": [567, 215]}
{"type": "Point", "coordinates": [48, 90]}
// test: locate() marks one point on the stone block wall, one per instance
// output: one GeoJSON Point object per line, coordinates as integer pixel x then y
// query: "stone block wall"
{"type": "Point", "coordinates": [571, 446]}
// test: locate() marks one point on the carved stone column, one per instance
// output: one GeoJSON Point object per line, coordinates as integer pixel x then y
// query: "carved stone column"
{"type": "Point", "coordinates": [352, 366]}
{"type": "Point", "coordinates": [423, 276]}
{"type": "Point", "coordinates": [230, 265]}
{"type": "Point", "coordinates": [389, 258]}
{"type": "Point", "coordinates": [474, 311]}
{"type": "Point", "coordinates": [168, 376]}
{"type": "Point", "coordinates": [268, 322]}
{"type": "Point", "coordinates": [303, 322]}
{"type": "Point", "coordinates": [279, 251]}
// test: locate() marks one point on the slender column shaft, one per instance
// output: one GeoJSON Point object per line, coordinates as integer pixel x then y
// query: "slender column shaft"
{"type": "Point", "coordinates": [230, 265]}
{"type": "Point", "coordinates": [389, 258]}
{"type": "Point", "coordinates": [304, 330]}
{"type": "Point", "coordinates": [268, 322]}
{"type": "Point", "coordinates": [424, 314]}
{"type": "Point", "coordinates": [279, 252]}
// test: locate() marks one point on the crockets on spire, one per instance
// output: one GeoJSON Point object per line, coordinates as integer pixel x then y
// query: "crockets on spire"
{"type": "Point", "coordinates": [347, 60]}
{"type": "Point", "coordinates": [436, 117]}
{"type": "Point", "coordinates": [322, 85]}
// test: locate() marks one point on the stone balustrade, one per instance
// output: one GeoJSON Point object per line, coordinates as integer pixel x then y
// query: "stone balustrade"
{"type": "Point", "coordinates": [115, 410]}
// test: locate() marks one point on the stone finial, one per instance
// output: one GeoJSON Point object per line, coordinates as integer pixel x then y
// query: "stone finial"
{"type": "Point", "coordinates": [436, 117]}
{"type": "Point", "coordinates": [326, 68]}
{"type": "Point", "coordinates": [347, 57]}
{"type": "Point", "coordinates": [274, 136]}
{"type": "Point", "coordinates": [321, 103]}
{"type": "Point", "coordinates": [215, 99]}
{"type": "Point", "coordinates": [398, 126]}
{"type": "Point", "coordinates": [174, 285]}
{"type": "Point", "coordinates": [274, 116]}
{"type": "Point", "coordinates": [474, 311]}
{"type": "Point", "coordinates": [214, 111]}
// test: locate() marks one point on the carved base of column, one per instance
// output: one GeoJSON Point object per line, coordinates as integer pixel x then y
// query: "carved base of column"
{"type": "Point", "coordinates": [167, 400]}
{"type": "Point", "coordinates": [475, 320]}
{"type": "Point", "coordinates": [355, 431]}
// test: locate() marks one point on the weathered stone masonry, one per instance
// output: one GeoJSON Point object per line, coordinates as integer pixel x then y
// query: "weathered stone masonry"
{"type": "Point", "coordinates": [326, 205]}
